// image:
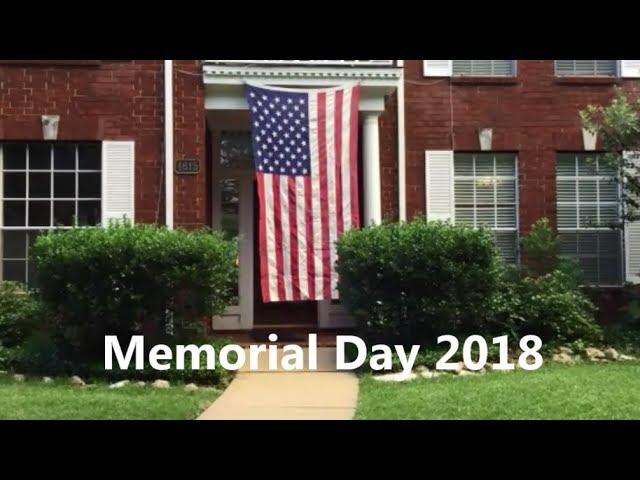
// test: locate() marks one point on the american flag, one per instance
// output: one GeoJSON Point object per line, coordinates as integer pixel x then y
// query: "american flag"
{"type": "Point", "coordinates": [305, 146]}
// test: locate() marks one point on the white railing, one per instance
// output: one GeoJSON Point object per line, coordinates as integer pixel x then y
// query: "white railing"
{"type": "Point", "coordinates": [310, 63]}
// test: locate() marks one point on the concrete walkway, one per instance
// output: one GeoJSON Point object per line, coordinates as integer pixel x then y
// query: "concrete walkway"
{"type": "Point", "coordinates": [323, 394]}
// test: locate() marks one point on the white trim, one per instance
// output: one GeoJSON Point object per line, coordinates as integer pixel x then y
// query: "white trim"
{"type": "Point", "coordinates": [630, 68]}
{"type": "Point", "coordinates": [168, 143]}
{"type": "Point", "coordinates": [129, 211]}
{"type": "Point", "coordinates": [437, 68]}
{"type": "Point", "coordinates": [430, 156]}
{"type": "Point", "coordinates": [631, 235]}
{"type": "Point", "coordinates": [402, 151]}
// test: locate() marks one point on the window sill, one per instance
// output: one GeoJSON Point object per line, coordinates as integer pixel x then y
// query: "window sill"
{"type": "Point", "coordinates": [476, 80]}
{"type": "Point", "coordinates": [587, 80]}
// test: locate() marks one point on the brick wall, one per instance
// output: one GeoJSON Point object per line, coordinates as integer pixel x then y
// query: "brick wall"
{"type": "Point", "coordinates": [115, 100]}
{"type": "Point", "coordinates": [104, 100]}
{"type": "Point", "coordinates": [534, 116]}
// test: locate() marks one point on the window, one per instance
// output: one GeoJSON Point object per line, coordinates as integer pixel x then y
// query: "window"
{"type": "Point", "coordinates": [587, 68]}
{"type": "Point", "coordinates": [486, 194]}
{"type": "Point", "coordinates": [481, 68]}
{"type": "Point", "coordinates": [45, 186]}
{"type": "Point", "coordinates": [588, 201]}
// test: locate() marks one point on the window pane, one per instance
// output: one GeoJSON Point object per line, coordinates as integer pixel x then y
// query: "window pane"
{"type": "Point", "coordinates": [14, 156]}
{"type": "Point", "coordinates": [507, 244]}
{"type": "Point", "coordinates": [230, 207]}
{"type": "Point", "coordinates": [89, 185]}
{"type": "Point", "coordinates": [39, 185]}
{"type": "Point", "coordinates": [14, 270]}
{"type": "Point", "coordinates": [566, 165]}
{"type": "Point", "coordinates": [464, 216]}
{"type": "Point", "coordinates": [64, 157]}
{"type": "Point", "coordinates": [15, 213]}
{"type": "Point", "coordinates": [464, 192]}
{"type": "Point", "coordinates": [586, 67]}
{"type": "Point", "coordinates": [609, 215]}
{"type": "Point", "coordinates": [568, 244]}
{"type": "Point", "coordinates": [15, 185]}
{"type": "Point", "coordinates": [588, 216]}
{"type": "Point", "coordinates": [566, 190]}
{"type": "Point", "coordinates": [484, 165]}
{"type": "Point", "coordinates": [463, 165]}
{"type": "Point", "coordinates": [567, 216]}
{"type": "Point", "coordinates": [608, 191]}
{"type": "Point", "coordinates": [505, 165]}
{"type": "Point", "coordinates": [589, 268]}
{"type": "Point", "coordinates": [63, 213]}
{"type": "Point", "coordinates": [89, 157]}
{"type": "Point", "coordinates": [484, 191]}
{"type": "Point", "coordinates": [14, 244]}
{"type": "Point", "coordinates": [235, 150]}
{"type": "Point", "coordinates": [587, 190]}
{"type": "Point", "coordinates": [39, 156]}
{"type": "Point", "coordinates": [506, 190]}
{"type": "Point", "coordinates": [587, 166]}
{"type": "Point", "coordinates": [64, 185]}
{"type": "Point", "coordinates": [486, 217]}
{"type": "Point", "coordinates": [88, 213]}
{"type": "Point", "coordinates": [483, 67]}
{"type": "Point", "coordinates": [506, 217]}
{"type": "Point", "coordinates": [39, 213]}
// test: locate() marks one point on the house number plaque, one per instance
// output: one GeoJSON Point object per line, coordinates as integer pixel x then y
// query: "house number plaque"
{"type": "Point", "coordinates": [187, 167]}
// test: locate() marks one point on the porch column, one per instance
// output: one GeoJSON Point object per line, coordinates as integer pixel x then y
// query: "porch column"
{"type": "Point", "coordinates": [371, 166]}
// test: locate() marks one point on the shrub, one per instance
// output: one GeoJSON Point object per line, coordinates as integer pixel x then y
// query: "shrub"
{"type": "Point", "coordinates": [125, 280]}
{"type": "Point", "coordinates": [20, 313]}
{"type": "Point", "coordinates": [409, 283]}
{"type": "Point", "coordinates": [551, 306]}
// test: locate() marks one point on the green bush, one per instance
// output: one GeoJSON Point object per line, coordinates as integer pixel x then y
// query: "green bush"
{"type": "Point", "coordinates": [551, 306]}
{"type": "Point", "coordinates": [20, 313]}
{"type": "Point", "coordinates": [409, 283]}
{"type": "Point", "coordinates": [126, 280]}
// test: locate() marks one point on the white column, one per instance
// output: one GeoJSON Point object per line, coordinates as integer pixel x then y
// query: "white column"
{"type": "Point", "coordinates": [371, 166]}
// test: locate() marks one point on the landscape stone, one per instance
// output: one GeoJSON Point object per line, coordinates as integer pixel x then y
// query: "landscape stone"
{"type": "Point", "coordinates": [19, 378]}
{"type": "Point", "coordinates": [395, 377]}
{"type": "Point", "coordinates": [611, 354]}
{"type": "Point", "coordinates": [121, 384]}
{"type": "Point", "coordinates": [562, 358]}
{"type": "Point", "coordinates": [161, 384]}
{"type": "Point", "coordinates": [75, 380]}
{"type": "Point", "coordinates": [594, 353]}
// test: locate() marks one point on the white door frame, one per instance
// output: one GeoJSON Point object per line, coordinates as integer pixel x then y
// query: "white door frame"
{"type": "Point", "coordinates": [236, 317]}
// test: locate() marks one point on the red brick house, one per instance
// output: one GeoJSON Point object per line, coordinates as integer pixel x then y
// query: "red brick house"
{"type": "Point", "coordinates": [494, 142]}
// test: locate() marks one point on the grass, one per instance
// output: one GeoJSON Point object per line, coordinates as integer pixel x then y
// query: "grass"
{"type": "Point", "coordinates": [584, 391]}
{"type": "Point", "coordinates": [34, 400]}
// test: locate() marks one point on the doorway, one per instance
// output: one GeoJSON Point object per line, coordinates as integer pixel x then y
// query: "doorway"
{"type": "Point", "coordinates": [279, 314]}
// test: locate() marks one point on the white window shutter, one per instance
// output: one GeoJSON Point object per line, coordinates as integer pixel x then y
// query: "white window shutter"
{"type": "Point", "coordinates": [630, 68]}
{"type": "Point", "coordinates": [632, 239]}
{"type": "Point", "coordinates": [439, 184]}
{"type": "Point", "coordinates": [438, 68]}
{"type": "Point", "coordinates": [118, 181]}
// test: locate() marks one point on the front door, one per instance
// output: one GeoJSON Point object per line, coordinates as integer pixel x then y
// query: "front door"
{"type": "Point", "coordinates": [279, 314]}
{"type": "Point", "coordinates": [232, 213]}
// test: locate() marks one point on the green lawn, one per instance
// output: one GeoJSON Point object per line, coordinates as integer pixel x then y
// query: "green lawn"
{"type": "Point", "coordinates": [584, 391]}
{"type": "Point", "coordinates": [34, 400]}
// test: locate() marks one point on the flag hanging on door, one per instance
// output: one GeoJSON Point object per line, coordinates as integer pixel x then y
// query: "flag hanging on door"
{"type": "Point", "coordinates": [305, 145]}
